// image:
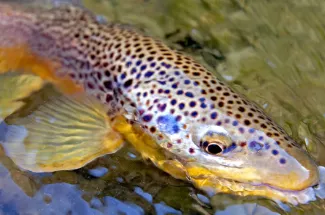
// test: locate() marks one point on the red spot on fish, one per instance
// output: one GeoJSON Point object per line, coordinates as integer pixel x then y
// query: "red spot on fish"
{"type": "Point", "coordinates": [102, 88]}
{"type": "Point", "coordinates": [153, 129]}
{"type": "Point", "coordinates": [178, 118]}
{"type": "Point", "coordinates": [160, 137]}
{"type": "Point", "coordinates": [191, 150]}
{"type": "Point", "coordinates": [169, 145]}
{"type": "Point", "coordinates": [109, 98]}
{"type": "Point", "coordinates": [162, 107]}
{"type": "Point", "coordinates": [243, 144]}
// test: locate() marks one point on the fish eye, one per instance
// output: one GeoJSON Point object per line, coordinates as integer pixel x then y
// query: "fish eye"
{"type": "Point", "coordinates": [212, 148]}
{"type": "Point", "coordinates": [214, 142]}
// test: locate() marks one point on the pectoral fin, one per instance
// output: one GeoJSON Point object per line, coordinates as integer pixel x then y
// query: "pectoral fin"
{"type": "Point", "coordinates": [13, 88]}
{"type": "Point", "coordinates": [63, 134]}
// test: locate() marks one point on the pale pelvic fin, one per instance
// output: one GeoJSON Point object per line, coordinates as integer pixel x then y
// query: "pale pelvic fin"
{"type": "Point", "coordinates": [63, 134]}
{"type": "Point", "coordinates": [13, 88]}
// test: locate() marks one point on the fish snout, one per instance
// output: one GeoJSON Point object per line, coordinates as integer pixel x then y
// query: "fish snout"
{"type": "Point", "coordinates": [298, 173]}
{"type": "Point", "coordinates": [308, 166]}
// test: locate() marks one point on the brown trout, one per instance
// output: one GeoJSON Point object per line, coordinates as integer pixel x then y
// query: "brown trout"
{"type": "Point", "coordinates": [169, 107]}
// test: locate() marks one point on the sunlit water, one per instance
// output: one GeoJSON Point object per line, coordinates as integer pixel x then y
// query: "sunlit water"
{"type": "Point", "coordinates": [271, 51]}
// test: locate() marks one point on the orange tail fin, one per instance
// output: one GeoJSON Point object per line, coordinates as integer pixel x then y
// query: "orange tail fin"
{"type": "Point", "coordinates": [24, 47]}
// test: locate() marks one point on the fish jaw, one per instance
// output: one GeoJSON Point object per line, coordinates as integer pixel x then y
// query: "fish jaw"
{"type": "Point", "coordinates": [292, 179]}
{"type": "Point", "coordinates": [219, 185]}
{"type": "Point", "coordinates": [240, 181]}
{"type": "Point", "coordinates": [294, 185]}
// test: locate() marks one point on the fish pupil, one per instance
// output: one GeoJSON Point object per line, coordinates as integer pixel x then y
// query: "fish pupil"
{"type": "Point", "coordinates": [214, 149]}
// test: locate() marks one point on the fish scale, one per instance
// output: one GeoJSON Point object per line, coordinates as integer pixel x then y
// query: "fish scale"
{"type": "Point", "coordinates": [175, 99]}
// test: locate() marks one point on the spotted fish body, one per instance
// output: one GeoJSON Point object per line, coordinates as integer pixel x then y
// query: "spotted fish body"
{"type": "Point", "coordinates": [176, 100]}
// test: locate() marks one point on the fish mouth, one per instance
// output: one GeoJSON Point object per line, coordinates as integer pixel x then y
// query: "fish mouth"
{"type": "Point", "coordinates": [214, 185]}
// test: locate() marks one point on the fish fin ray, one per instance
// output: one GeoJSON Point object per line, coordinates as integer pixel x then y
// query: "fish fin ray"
{"type": "Point", "coordinates": [46, 142]}
{"type": "Point", "coordinates": [14, 88]}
